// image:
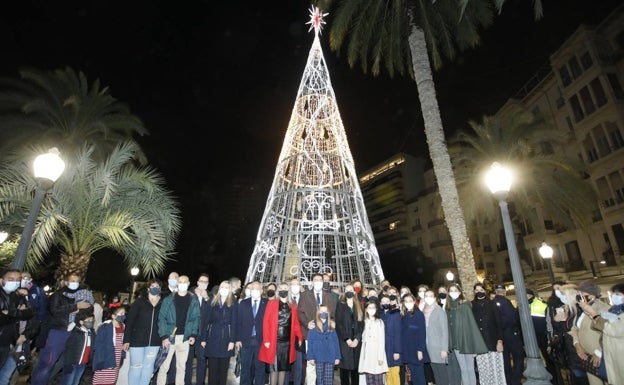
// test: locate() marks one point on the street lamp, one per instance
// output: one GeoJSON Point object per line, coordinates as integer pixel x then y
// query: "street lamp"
{"type": "Point", "coordinates": [547, 252]}
{"type": "Point", "coordinates": [499, 181]}
{"type": "Point", "coordinates": [3, 236]}
{"type": "Point", "coordinates": [134, 272]}
{"type": "Point", "coordinates": [48, 167]}
{"type": "Point", "coordinates": [593, 268]}
{"type": "Point", "coordinates": [450, 276]}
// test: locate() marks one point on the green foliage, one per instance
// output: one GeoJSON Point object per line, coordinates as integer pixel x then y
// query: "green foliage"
{"type": "Point", "coordinates": [61, 109]}
{"type": "Point", "coordinates": [544, 176]}
{"type": "Point", "coordinates": [95, 205]}
{"type": "Point", "coordinates": [375, 33]}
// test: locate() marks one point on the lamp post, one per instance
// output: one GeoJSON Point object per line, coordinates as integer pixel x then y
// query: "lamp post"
{"type": "Point", "coordinates": [134, 272]}
{"type": "Point", "coordinates": [48, 167]}
{"type": "Point", "coordinates": [593, 268]}
{"type": "Point", "coordinates": [450, 277]}
{"type": "Point", "coordinates": [547, 252]}
{"type": "Point", "coordinates": [499, 181]}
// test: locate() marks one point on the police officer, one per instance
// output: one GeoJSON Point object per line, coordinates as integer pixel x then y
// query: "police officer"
{"type": "Point", "coordinates": [512, 337]}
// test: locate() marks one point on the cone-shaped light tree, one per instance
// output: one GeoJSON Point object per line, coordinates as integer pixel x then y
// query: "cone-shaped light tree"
{"type": "Point", "coordinates": [315, 220]}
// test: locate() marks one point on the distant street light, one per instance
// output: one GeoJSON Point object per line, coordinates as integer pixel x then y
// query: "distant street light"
{"type": "Point", "coordinates": [450, 276]}
{"type": "Point", "coordinates": [499, 181]}
{"type": "Point", "coordinates": [547, 253]}
{"type": "Point", "coordinates": [48, 167]}
{"type": "Point", "coordinates": [3, 236]}
{"type": "Point", "coordinates": [134, 272]}
{"type": "Point", "coordinates": [593, 268]}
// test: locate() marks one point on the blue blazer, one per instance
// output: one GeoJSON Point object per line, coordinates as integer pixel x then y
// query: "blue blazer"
{"type": "Point", "coordinates": [392, 329]}
{"type": "Point", "coordinates": [245, 320]}
{"type": "Point", "coordinates": [220, 330]}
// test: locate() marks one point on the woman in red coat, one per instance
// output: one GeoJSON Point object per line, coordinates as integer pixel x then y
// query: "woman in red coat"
{"type": "Point", "coordinates": [280, 332]}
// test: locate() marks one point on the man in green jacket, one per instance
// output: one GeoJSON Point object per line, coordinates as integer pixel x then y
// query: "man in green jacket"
{"type": "Point", "coordinates": [178, 325]}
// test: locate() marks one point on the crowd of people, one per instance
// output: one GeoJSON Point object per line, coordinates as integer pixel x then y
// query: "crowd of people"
{"type": "Point", "coordinates": [302, 332]}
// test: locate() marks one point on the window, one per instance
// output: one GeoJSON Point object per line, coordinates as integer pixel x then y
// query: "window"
{"type": "Point", "coordinates": [565, 76]}
{"type": "Point", "coordinates": [588, 103]}
{"type": "Point", "coordinates": [586, 60]}
{"type": "Point", "coordinates": [618, 186]}
{"type": "Point", "coordinates": [548, 224]}
{"type": "Point", "coordinates": [575, 67]}
{"type": "Point", "coordinates": [487, 246]}
{"type": "Point", "coordinates": [616, 86]}
{"type": "Point", "coordinates": [576, 109]}
{"type": "Point", "coordinates": [601, 140]}
{"type": "Point", "coordinates": [590, 149]}
{"type": "Point", "coordinates": [570, 125]}
{"type": "Point", "coordinates": [599, 94]}
{"type": "Point", "coordinates": [614, 134]}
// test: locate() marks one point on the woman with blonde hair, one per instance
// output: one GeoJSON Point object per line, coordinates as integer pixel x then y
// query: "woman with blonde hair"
{"type": "Point", "coordinates": [218, 333]}
{"type": "Point", "coordinates": [567, 294]}
{"type": "Point", "coordinates": [323, 348]}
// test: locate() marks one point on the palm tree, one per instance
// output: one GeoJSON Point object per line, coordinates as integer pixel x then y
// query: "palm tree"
{"type": "Point", "coordinates": [93, 206]}
{"type": "Point", "coordinates": [544, 177]}
{"type": "Point", "coordinates": [403, 36]}
{"type": "Point", "coordinates": [60, 109]}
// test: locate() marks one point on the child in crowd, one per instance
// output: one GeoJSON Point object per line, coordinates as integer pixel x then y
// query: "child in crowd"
{"type": "Point", "coordinates": [323, 347]}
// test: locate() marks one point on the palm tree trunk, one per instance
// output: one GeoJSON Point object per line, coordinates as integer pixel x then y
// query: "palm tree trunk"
{"type": "Point", "coordinates": [72, 264]}
{"type": "Point", "coordinates": [441, 160]}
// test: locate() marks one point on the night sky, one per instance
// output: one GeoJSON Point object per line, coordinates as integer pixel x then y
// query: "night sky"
{"type": "Point", "coordinates": [229, 71]}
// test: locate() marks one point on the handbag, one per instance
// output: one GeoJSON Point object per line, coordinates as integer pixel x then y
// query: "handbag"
{"type": "Point", "coordinates": [589, 367]}
{"type": "Point", "coordinates": [557, 351]}
{"type": "Point", "coordinates": [237, 366]}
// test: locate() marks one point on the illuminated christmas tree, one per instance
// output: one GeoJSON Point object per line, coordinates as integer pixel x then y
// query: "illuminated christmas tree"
{"type": "Point", "coordinates": [315, 220]}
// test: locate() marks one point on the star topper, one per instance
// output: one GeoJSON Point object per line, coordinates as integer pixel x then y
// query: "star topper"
{"type": "Point", "coordinates": [316, 19]}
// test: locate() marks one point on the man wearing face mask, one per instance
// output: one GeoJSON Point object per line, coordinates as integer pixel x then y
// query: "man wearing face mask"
{"type": "Point", "coordinates": [64, 303]}
{"type": "Point", "coordinates": [12, 311]}
{"type": "Point", "coordinates": [179, 314]}
{"type": "Point", "coordinates": [327, 287]}
{"type": "Point", "coordinates": [249, 332]}
{"type": "Point", "coordinates": [196, 351]}
{"type": "Point", "coordinates": [172, 284]}
{"type": "Point", "coordinates": [308, 303]}
{"type": "Point", "coordinates": [37, 298]}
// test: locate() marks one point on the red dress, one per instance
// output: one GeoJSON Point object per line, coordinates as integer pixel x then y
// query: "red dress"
{"type": "Point", "coordinates": [269, 332]}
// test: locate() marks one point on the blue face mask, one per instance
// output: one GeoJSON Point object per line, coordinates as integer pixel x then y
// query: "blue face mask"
{"type": "Point", "coordinates": [11, 286]}
{"type": "Point", "coordinates": [121, 318]}
{"type": "Point", "coordinates": [154, 290]}
{"type": "Point", "coordinates": [323, 316]}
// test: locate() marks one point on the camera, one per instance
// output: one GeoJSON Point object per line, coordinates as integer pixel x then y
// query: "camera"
{"type": "Point", "coordinates": [581, 298]}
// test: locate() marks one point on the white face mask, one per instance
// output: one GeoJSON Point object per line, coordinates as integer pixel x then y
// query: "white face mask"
{"type": "Point", "coordinates": [409, 305]}
{"type": "Point", "coordinates": [318, 286]}
{"type": "Point", "coordinates": [25, 282]}
{"type": "Point", "coordinates": [371, 312]}
{"type": "Point", "coordinates": [202, 286]}
{"type": "Point", "coordinates": [559, 295]}
{"type": "Point", "coordinates": [617, 299]}
{"type": "Point", "coordinates": [172, 282]}
{"type": "Point", "coordinates": [255, 293]}
{"type": "Point", "coordinates": [421, 294]}
{"type": "Point", "coordinates": [11, 286]}
{"type": "Point", "coordinates": [454, 294]}
{"type": "Point", "coordinates": [247, 293]}
{"type": "Point", "coordinates": [73, 285]}
{"type": "Point", "coordinates": [429, 300]}
{"type": "Point", "coordinates": [224, 292]}
{"type": "Point", "coordinates": [295, 289]}
{"type": "Point", "coordinates": [183, 287]}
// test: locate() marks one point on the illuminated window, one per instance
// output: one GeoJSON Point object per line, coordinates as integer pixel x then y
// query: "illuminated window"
{"type": "Point", "coordinates": [393, 225]}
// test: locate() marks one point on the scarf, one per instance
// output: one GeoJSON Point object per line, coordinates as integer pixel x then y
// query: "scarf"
{"type": "Point", "coordinates": [427, 310]}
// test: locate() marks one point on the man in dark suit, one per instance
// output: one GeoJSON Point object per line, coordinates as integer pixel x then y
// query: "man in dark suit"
{"type": "Point", "coordinates": [512, 337]}
{"type": "Point", "coordinates": [249, 332]}
{"type": "Point", "coordinates": [309, 301]}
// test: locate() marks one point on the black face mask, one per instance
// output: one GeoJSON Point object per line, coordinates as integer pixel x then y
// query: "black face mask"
{"type": "Point", "coordinates": [480, 295]}
{"type": "Point", "coordinates": [442, 295]}
{"type": "Point", "coordinates": [271, 293]}
{"type": "Point", "coordinates": [325, 285]}
{"type": "Point", "coordinates": [283, 293]}
{"type": "Point", "coordinates": [349, 294]}
{"type": "Point", "coordinates": [385, 288]}
{"type": "Point", "coordinates": [237, 291]}
{"type": "Point", "coordinates": [393, 298]}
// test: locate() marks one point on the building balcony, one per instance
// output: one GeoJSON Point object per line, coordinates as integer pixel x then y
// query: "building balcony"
{"type": "Point", "coordinates": [435, 222]}
{"type": "Point", "coordinates": [440, 243]}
